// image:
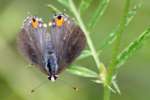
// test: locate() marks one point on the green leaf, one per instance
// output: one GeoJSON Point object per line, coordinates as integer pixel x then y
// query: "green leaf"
{"type": "Point", "coordinates": [64, 3]}
{"type": "Point", "coordinates": [101, 82]}
{"type": "Point", "coordinates": [97, 81]}
{"type": "Point", "coordinates": [98, 13]}
{"type": "Point", "coordinates": [115, 85]}
{"type": "Point", "coordinates": [132, 13]}
{"type": "Point", "coordinates": [110, 88]}
{"type": "Point", "coordinates": [84, 54]}
{"type": "Point", "coordinates": [112, 36]}
{"type": "Point", "coordinates": [84, 5]}
{"type": "Point", "coordinates": [53, 8]}
{"type": "Point", "coordinates": [82, 71]}
{"type": "Point", "coordinates": [132, 48]}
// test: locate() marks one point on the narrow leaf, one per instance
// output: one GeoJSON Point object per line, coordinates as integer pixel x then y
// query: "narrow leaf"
{"type": "Point", "coordinates": [53, 8]}
{"type": "Point", "coordinates": [84, 54]}
{"type": "Point", "coordinates": [132, 13]}
{"type": "Point", "coordinates": [114, 83]}
{"type": "Point", "coordinates": [110, 88]}
{"type": "Point", "coordinates": [132, 48]}
{"type": "Point", "coordinates": [112, 36]}
{"type": "Point", "coordinates": [82, 71]}
{"type": "Point", "coordinates": [97, 81]}
{"type": "Point", "coordinates": [84, 5]}
{"type": "Point", "coordinates": [101, 82]}
{"type": "Point", "coordinates": [98, 13]}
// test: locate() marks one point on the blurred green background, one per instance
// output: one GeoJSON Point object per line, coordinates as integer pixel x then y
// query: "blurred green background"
{"type": "Point", "coordinates": [17, 80]}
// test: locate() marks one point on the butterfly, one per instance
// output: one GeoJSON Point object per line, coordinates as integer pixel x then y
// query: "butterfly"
{"type": "Point", "coordinates": [51, 48]}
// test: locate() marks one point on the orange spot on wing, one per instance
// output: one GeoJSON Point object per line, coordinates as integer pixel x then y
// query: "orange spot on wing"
{"type": "Point", "coordinates": [34, 23]}
{"type": "Point", "coordinates": [59, 22]}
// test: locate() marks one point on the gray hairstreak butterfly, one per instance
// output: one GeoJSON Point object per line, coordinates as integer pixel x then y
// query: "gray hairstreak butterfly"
{"type": "Point", "coordinates": [51, 48]}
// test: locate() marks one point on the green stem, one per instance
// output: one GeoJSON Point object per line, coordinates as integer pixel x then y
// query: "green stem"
{"type": "Point", "coordinates": [113, 65]}
{"type": "Point", "coordinates": [112, 68]}
{"type": "Point", "coordinates": [89, 41]}
{"type": "Point", "coordinates": [107, 93]}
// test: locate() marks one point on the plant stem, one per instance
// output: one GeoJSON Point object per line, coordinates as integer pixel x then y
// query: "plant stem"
{"type": "Point", "coordinates": [107, 93]}
{"type": "Point", "coordinates": [112, 68]}
{"type": "Point", "coordinates": [86, 32]}
{"type": "Point", "coordinates": [115, 51]}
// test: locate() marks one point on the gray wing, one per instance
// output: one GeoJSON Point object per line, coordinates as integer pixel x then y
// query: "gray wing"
{"type": "Point", "coordinates": [68, 41]}
{"type": "Point", "coordinates": [32, 42]}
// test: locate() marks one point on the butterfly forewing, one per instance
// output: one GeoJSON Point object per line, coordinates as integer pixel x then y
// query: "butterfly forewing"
{"type": "Point", "coordinates": [32, 42]}
{"type": "Point", "coordinates": [68, 40]}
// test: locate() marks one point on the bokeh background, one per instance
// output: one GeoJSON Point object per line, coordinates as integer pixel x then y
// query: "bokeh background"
{"type": "Point", "coordinates": [17, 80]}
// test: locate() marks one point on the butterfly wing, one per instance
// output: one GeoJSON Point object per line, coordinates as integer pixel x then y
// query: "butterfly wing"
{"type": "Point", "coordinates": [53, 51]}
{"type": "Point", "coordinates": [32, 41]}
{"type": "Point", "coordinates": [68, 41]}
